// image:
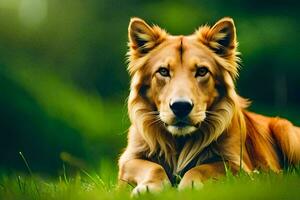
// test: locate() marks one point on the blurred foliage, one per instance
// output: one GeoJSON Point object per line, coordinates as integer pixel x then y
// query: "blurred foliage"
{"type": "Point", "coordinates": [63, 78]}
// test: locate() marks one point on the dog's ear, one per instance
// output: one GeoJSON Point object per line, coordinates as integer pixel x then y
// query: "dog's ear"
{"type": "Point", "coordinates": [142, 37]}
{"type": "Point", "coordinates": [221, 38]}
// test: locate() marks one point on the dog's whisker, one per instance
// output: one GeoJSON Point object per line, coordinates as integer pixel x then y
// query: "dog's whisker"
{"type": "Point", "coordinates": [154, 122]}
{"type": "Point", "coordinates": [211, 113]}
{"type": "Point", "coordinates": [153, 113]}
{"type": "Point", "coordinates": [197, 115]}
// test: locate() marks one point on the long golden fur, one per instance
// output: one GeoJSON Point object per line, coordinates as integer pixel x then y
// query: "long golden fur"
{"type": "Point", "coordinates": [218, 131]}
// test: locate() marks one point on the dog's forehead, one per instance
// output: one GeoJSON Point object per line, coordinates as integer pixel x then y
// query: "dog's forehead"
{"type": "Point", "coordinates": [188, 48]}
{"type": "Point", "coordinates": [180, 50]}
{"type": "Point", "coordinates": [167, 51]}
{"type": "Point", "coordinates": [193, 47]}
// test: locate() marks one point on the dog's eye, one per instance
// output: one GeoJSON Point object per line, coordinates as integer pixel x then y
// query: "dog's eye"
{"type": "Point", "coordinates": [163, 71]}
{"type": "Point", "coordinates": [201, 71]}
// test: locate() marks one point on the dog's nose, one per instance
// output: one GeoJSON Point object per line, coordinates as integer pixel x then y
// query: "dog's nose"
{"type": "Point", "coordinates": [181, 107]}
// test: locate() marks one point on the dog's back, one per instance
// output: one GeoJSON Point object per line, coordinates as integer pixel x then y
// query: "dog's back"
{"type": "Point", "coordinates": [272, 143]}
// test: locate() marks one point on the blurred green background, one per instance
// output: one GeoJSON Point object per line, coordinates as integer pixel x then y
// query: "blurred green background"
{"type": "Point", "coordinates": [63, 79]}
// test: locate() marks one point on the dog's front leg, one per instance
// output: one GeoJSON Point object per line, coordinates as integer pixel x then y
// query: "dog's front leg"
{"type": "Point", "coordinates": [146, 175]}
{"type": "Point", "coordinates": [194, 177]}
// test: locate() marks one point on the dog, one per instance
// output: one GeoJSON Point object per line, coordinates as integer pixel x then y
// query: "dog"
{"type": "Point", "coordinates": [187, 119]}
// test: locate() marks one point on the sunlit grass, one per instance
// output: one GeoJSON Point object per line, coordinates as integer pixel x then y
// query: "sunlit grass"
{"type": "Point", "coordinates": [103, 185]}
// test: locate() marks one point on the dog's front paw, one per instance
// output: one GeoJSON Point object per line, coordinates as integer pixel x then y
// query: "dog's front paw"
{"type": "Point", "coordinates": [192, 184]}
{"type": "Point", "coordinates": [189, 182]}
{"type": "Point", "coordinates": [149, 188]}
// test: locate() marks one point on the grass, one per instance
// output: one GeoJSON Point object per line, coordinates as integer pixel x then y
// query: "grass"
{"type": "Point", "coordinates": [102, 185]}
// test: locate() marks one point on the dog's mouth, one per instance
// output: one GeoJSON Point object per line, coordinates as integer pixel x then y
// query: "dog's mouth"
{"type": "Point", "coordinates": [181, 124]}
{"type": "Point", "coordinates": [181, 128]}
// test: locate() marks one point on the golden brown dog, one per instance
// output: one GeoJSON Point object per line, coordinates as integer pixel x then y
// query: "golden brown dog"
{"type": "Point", "coordinates": [187, 119]}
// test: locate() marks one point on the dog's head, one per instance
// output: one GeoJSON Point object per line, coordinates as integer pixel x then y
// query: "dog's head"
{"type": "Point", "coordinates": [181, 78]}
